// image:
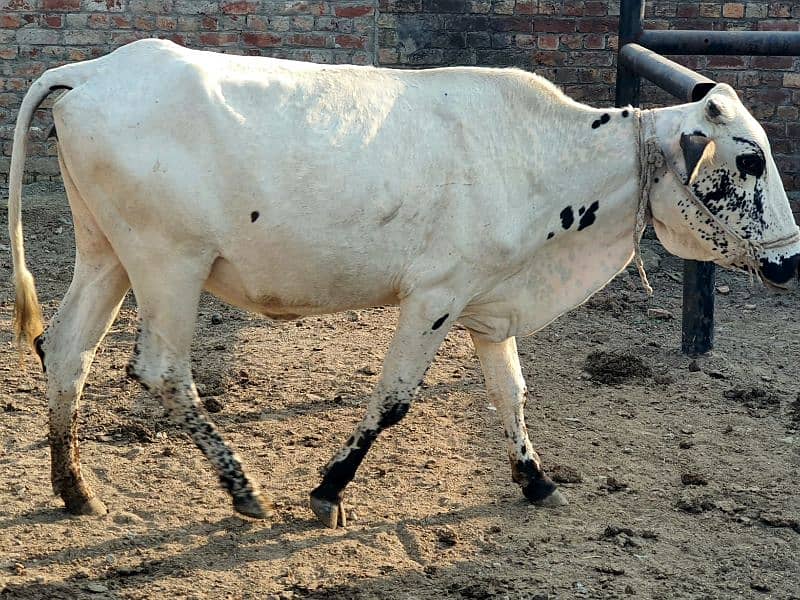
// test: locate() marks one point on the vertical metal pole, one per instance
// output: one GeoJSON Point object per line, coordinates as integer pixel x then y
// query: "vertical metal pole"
{"type": "Point", "coordinates": [631, 13]}
{"type": "Point", "coordinates": [698, 278]}
{"type": "Point", "coordinates": [697, 336]}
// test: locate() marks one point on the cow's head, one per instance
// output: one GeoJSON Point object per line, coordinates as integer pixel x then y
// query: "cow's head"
{"type": "Point", "coordinates": [719, 197]}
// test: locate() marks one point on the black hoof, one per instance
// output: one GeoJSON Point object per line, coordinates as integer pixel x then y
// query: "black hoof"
{"type": "Point", "coordinates": [543, 492]}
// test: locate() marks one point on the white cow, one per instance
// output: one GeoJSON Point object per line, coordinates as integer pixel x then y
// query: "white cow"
{"type": "Point", "coordinates": [479, 196]}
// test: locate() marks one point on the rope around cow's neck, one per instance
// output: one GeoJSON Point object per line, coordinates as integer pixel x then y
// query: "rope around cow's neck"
{"type": "Point", "coordinates": [651, 159]}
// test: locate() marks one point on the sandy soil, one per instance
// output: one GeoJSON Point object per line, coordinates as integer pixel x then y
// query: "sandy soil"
{"type": "Point", "coordinates": [682, 476]}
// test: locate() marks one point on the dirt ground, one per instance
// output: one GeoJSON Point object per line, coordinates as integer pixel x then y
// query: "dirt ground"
{"type": "Point", "coordinates": [682, 475]}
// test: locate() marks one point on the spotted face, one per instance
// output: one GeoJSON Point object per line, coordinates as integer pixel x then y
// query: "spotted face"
{"type": "Point", "coordinates": [720, 196]}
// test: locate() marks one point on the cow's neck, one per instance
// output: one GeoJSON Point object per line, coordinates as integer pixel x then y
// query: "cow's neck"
{"type": "Point", "coordinates": [573, 258]}
{"type": "Point", "coordinates": [595, 181]}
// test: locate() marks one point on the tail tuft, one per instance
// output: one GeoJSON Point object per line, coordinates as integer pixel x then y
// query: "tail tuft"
{"type": "Point", "coordinates": [28, 322]}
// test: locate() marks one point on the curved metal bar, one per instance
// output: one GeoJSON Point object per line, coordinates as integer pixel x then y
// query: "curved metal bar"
{"type": "Point", "coordinates": [679, 81]}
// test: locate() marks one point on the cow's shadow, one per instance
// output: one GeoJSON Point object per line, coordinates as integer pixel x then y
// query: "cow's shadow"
{"type": "Point", "coordinates": [246, 542]}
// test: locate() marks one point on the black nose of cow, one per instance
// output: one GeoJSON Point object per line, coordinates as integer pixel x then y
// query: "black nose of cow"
{"type": "Point", "coordinates": [780, 272]}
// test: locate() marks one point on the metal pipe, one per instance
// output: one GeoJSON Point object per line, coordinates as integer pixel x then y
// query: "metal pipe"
{"type": "Point", "coordinates": [697, 335]}
{"type": "Point", "coordinates": [631, 13]}
{"type": "Point", "coordinates": [747, 43]}
{"type": "Point", "coordinates": [679, 81]}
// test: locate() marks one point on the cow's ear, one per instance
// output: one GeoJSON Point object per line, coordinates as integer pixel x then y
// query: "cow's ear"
{"type": "Point", "coordinates": [718, 110]}
{"type": "Point", "coordinates": [694, 148]}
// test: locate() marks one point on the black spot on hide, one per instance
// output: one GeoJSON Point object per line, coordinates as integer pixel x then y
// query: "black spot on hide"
{"type": "Point", "coordinates": [549, 235]}
{"type": "Point", "coordinates": [440, 321]}
{"type": "Point", "coordinates": [601, 121]}
{"type": "Point", "coordinates": [567, 218]}
{"type": "Point", "coordinates": [625, 114]}
{"type": "Point", "coordinates": [589, 216]}
{"type": "Point", "coordinates": [254, 216]}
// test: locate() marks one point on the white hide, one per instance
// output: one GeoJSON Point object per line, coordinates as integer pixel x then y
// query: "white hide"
{"type": "Point", "coordinates": [369, 184]}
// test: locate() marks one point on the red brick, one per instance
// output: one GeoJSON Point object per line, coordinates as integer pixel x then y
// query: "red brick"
{"type": "Point", "coordinates": [548, 41]}
{"type": "Point", "coordinates": [525, 7]}
{"type": "Point", "coordinates": [98, 21]}
{"type": "Point", "coordinates": [242, 7]}
{"type": "Point", "coordinates": [772, 62]}
{"type": "Point", "coordinates": [144, 23]}
{"type": "Point", "coordinates": [61, 4]}
{"type": "Point", "coordinates": [360, 10]}
{"type": "Point", "coordinates": [573, 8]}
{"type": "Point", "coordinates": [550, 59]}
{"type": "Point", "coordinates": [554, 25]}
{"type": "Point", "coordinates": [733, 11]}
{"type": "Point", "coordinates": [304, 7]}
{"type": "Point", "coordinates": [209, 23]}
{"type": "Point", "coordinates": [308, 40]}
{"type": "Point", "coordinates": [780, 9]}
{"type": "Point", "coordinates": [54, 21]}
{"type": "Point", "coordinates": [594, 41]}
{"type": "Point", "coordinates": [121, 22]}
{"type": "Point", "coordinates": [573, 41]}
{"type": "Point", "coordinates": [603, 25]}
{"type": "Point", "coordinates": [218, 39]}
{"type": "Point", "coordinates": [727, 62]}
{"type": "Point", "coordinates": [350, 41]}
{"type": "Point", "coordinates": [709, 10]}
{"type": "Point", "coordinates": [166, 23]}
{"type": "Point", "coordinates": [596, 9]}
{"type": "Point", "coordinates": [776, 25]}
{"type": "Point", "coordinates": [686, 11]}
{"type": "Point", "coordinates": [10, 21]}
{"type": "Point", "coordinates": [261, 40]}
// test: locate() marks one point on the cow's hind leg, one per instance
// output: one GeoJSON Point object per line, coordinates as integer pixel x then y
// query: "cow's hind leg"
{"type": "Point", "coordinates": [68, 346]}
{"type": "Point", "coordinates": [67, 349]}
{"type": "Point", "coordinates": [507, 391]}
{"type": "Point", "coordinates": [168, 300]}
{"type": "Point", "coordinates": [420, 330]}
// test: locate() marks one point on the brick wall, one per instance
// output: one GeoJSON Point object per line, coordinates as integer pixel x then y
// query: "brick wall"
{"type": "Point", "coordinates": [571, 42]}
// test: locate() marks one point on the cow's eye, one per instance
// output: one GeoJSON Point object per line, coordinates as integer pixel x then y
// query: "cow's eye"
{"type": "Point", "coordinates": [750, 164]}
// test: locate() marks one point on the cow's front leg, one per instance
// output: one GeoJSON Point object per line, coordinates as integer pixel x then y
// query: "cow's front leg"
{"type": "Point", "coordinates": [507, 391]}
{"type": "Point", "coordinates": [420, 330]}
{"type": "Point", "coordinates": [161, 363]}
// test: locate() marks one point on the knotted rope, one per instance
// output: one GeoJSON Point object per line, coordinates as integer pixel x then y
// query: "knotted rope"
{"type": "Point", "coordinates": [650, 160]}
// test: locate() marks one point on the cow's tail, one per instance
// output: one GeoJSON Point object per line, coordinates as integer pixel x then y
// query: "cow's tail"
{"type": "Point", "coordinates": [28, 323]}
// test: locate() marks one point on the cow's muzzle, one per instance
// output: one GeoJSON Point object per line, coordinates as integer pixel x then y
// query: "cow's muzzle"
{"type": "Point", "coordinates": [779, 273]}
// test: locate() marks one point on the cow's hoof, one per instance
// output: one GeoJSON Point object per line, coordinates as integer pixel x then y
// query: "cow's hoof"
{"type": "Point", "coordinates": [251, 506]}
{"type": "Point", "coordinates": [543, 492]}
{"type": "Point", "coordinates": [330, 514]}
{"type": "Point", "coordinates": [556, 498]}
{"type": "Point", "coordinates": [93, 507]}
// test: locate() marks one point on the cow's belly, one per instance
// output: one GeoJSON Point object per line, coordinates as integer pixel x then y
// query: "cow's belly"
{"type": "Point", "coordinates": [283, 294]}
